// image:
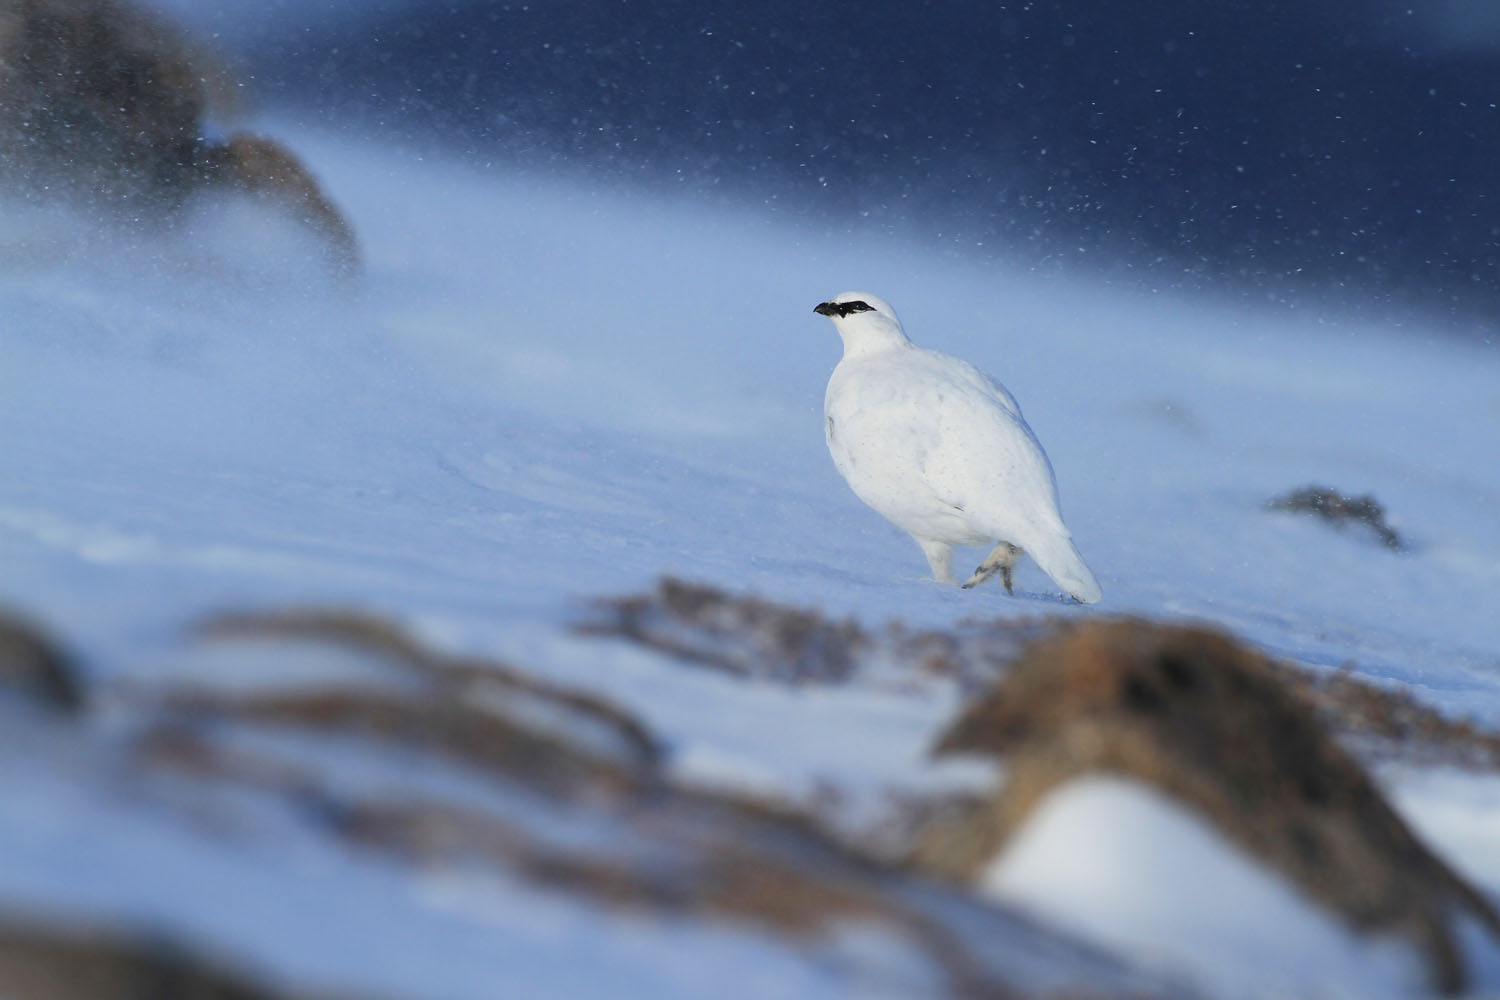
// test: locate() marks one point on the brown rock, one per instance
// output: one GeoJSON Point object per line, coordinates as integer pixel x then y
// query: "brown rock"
{"type": "Point", "coordinates": [1213, 724]}
{"type": "Point", "coordinates": [756, 639]}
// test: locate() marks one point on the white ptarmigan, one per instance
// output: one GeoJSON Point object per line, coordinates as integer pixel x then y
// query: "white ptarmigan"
{"type": "Point", "coordinates": [942, 451]}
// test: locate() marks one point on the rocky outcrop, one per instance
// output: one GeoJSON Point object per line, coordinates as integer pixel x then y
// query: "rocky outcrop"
{"type": "Point", "coordinates": [1215, 726]}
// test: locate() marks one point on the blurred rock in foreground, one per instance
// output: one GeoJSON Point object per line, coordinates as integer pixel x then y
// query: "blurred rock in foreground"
{"type": "Point", "coordinates": [1215, 726]}
{"type": "Point", "coordinates": [352, 742]}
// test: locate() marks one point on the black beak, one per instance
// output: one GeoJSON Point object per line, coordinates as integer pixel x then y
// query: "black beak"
{"type": "Point", "coordinates": [827, 309]}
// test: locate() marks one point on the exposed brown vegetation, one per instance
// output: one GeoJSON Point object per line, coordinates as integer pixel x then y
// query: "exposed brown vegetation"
{"type": "Point", "coordinates": [675, 851]}
{"type": "Point", "coordinates": [757, 639]}
{"type": "Point", "coordinates": [743, 636]}
{"type": "Point", "coordinates": [681, 854]}
{"type": "Point", "coordinates": [1335, 508]}
{"type": "Point", "coordinates": [104, 101]}
{"type": "Point", "coordinates": [460, 679]}
{"type": "Point", "coordinates": [1389, 724]}
{"type": "Point", "coordinates": [580, 802]}
{"type": "Point", "coordinates": [762, 640]}
{"type": "Point", "coordinates": [1214, 725]}
{"type": "Point", "coordinates": [32, 665]}
{"type": "Point", "coordinates": [474, 735]}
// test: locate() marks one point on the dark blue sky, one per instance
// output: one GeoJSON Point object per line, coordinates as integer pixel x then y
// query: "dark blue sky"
{"type": "Point", "coordinates": [1276, 147]}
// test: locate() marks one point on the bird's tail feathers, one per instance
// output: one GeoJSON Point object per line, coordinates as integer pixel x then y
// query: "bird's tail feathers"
{"type": "Point", "coordinates": [1058, 557]}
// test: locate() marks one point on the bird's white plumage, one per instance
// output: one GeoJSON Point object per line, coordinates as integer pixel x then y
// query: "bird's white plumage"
{"type": "Point", "coordinates": [941, 450]}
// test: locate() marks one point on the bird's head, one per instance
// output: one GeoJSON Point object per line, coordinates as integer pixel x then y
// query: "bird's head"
{"type": "Point", "coordinates": [864, 321]}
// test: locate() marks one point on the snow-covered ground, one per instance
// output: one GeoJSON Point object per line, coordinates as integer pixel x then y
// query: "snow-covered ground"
{"type": "Point", "coordinates": [544, 391]}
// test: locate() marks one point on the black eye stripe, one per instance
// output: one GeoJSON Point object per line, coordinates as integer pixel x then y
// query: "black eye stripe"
{"type": "Point", "coordinates": [842, 309]}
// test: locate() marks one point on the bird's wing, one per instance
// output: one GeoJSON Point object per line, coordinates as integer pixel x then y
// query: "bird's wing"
{"type": "Point", "coordinates": [982, 383]}
{"type": "Point", "coordinates": [986, 460]}
{"type": "Point", "coordinates": [882, 422]}
{"type": "Point", "coordinates": [880, 410]}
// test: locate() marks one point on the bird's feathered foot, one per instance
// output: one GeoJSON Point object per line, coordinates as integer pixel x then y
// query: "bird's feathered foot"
{"type": "Point", "coordinates": [1002, 560]}
{"type": "Point", "coordinates": [940, 558]}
